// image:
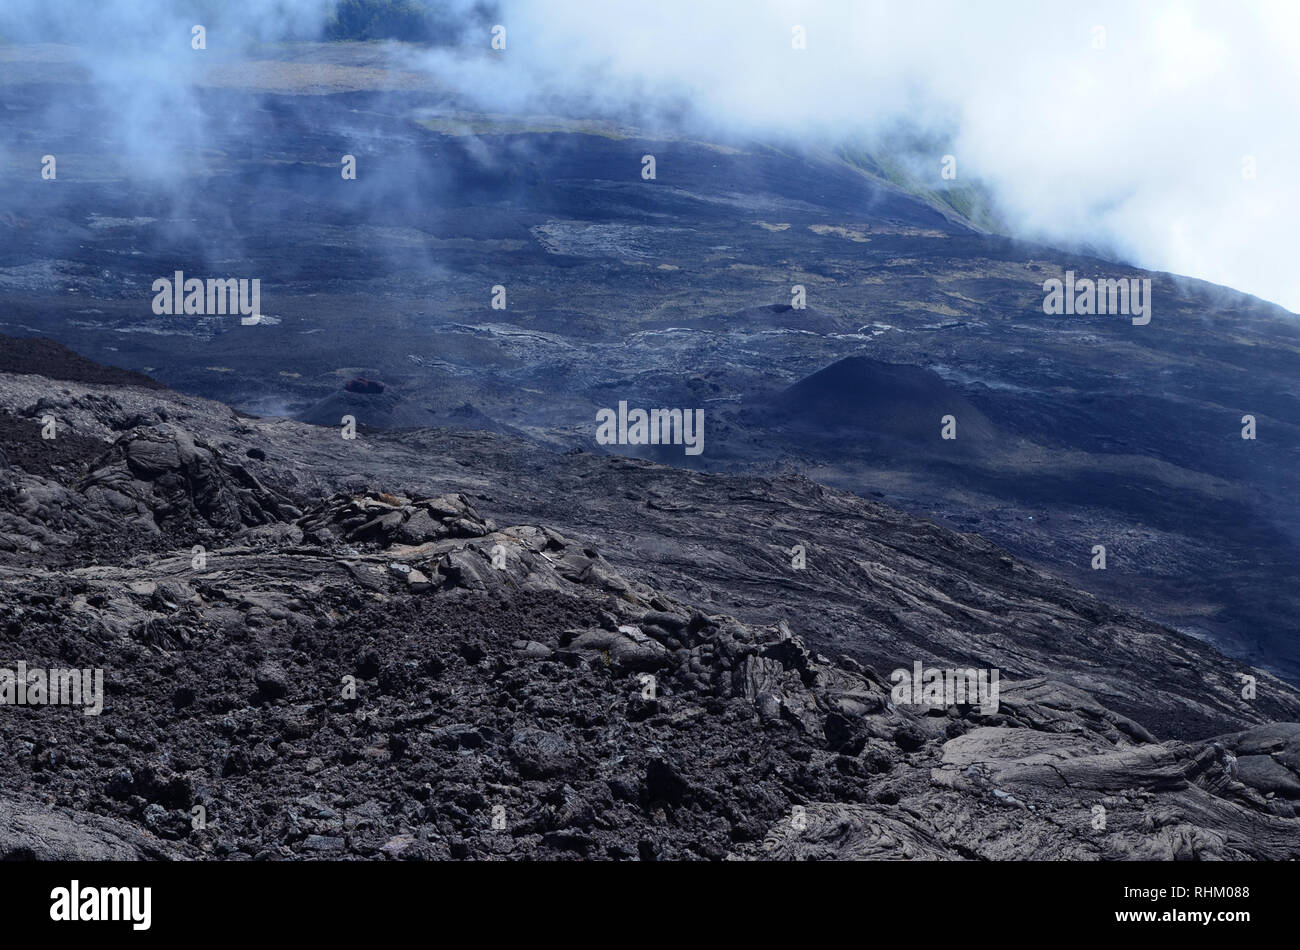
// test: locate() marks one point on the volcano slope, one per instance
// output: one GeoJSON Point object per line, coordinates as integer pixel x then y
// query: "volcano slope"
{"type": "Point", "coordinates": [444, 644]}
{"type": "Point", "coordinates": [671, 292]}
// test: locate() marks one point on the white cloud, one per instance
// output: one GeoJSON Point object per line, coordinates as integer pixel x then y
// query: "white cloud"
{"type": "Point", "coordinates": [1137, 145]}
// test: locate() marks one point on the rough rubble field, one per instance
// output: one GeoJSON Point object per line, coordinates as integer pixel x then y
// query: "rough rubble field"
{"type": "Point", "coordinates": [360, 650]}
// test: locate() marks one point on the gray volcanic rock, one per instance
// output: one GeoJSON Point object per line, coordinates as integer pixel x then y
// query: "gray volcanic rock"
{"type": "Point", "coordinates": [365, 664]}
{"type": "Point", "coordinates": [30, 832]}
{"type": "Point", "coordinates": [161, 475]}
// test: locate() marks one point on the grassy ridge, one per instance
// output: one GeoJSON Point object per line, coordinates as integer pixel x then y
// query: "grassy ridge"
{"type": "Point", "coordinates": [899, 164]}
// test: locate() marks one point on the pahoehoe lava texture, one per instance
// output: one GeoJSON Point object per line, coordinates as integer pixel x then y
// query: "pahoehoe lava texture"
{"type": "Point", "coordinates": [443, 644]}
